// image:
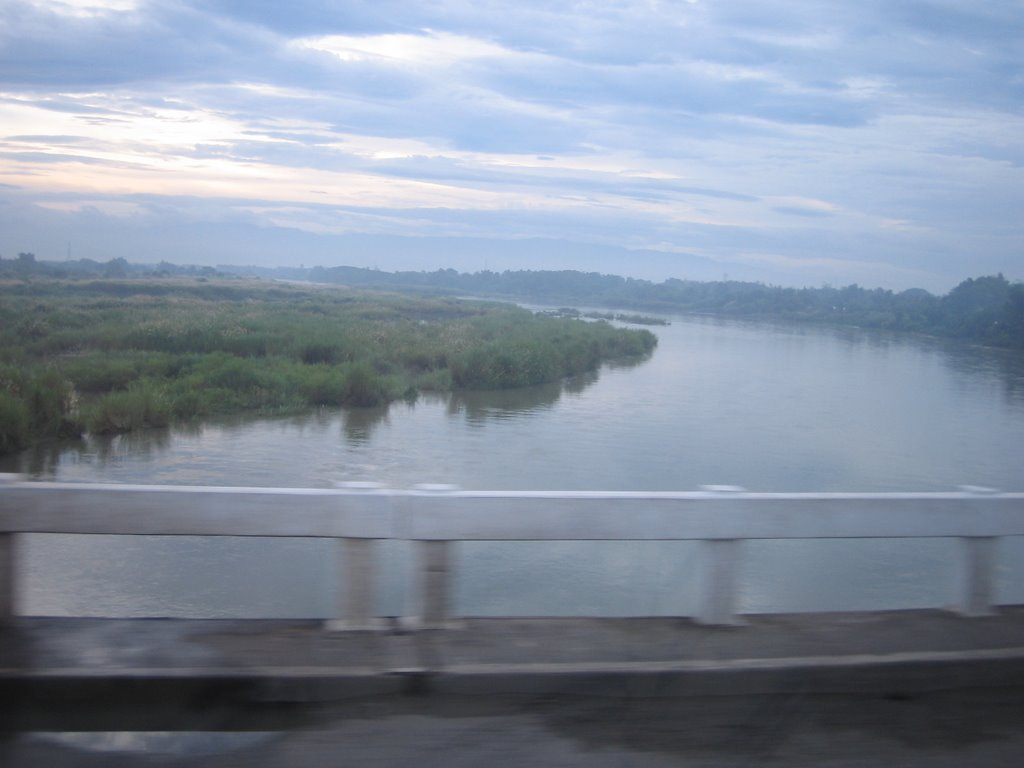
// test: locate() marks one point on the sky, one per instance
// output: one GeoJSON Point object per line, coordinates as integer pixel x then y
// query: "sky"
{"type": "Point", "coordinates": [794, 142]}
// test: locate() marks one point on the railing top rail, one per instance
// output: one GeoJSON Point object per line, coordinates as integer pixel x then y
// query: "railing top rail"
{"type": "Point", "coordinates": [444, 513]}
{"type": "Point", "coordinates": [8, 481]}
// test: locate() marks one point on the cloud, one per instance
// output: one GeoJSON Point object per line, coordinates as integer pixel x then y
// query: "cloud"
{"type": "Point", "coordinates": [799, 129]}
{"type": "Point", "coordinates": [801, 206]}
{"type": "Point", "coordinates": [432, 50]}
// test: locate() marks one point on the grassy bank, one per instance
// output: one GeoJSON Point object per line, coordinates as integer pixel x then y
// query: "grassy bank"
{"type": "Point", "coordinates": [109, 356]}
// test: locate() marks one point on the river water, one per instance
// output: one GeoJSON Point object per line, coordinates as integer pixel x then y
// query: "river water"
{"type": "Point", "coordinates": [770, 407]}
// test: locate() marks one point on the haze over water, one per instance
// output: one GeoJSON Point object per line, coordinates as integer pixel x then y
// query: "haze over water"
{"type": "Point", "coordinates": [766, 407]}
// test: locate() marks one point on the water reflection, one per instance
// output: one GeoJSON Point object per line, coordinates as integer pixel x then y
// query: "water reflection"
{"type": "Point", "coordinates": [40, 460]}
{"type": "Point", "coordinates": [155, 743]}
{"type": "Point", "coordinates": [971, 362]}
{"type": "Point", "coordinates": [46, 459]}
{"type": "Point", "coordinates": [482, 406]}
{"type": "Point", "coordinates": [479, 407]}
{"type": "Point", "coordinates": [358, 424]}
{"type": "Point", "coordinates": [625, 363]}
{"type": "Point", "coordinates": [576, 384]}
{"type": "Point", "coordinates": [109, 449]}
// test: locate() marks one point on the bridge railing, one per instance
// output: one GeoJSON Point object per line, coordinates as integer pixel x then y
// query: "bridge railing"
{"type": "Point", "coordinates": [437, 516]}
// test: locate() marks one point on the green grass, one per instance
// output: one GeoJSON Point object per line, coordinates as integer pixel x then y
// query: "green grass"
{"type": "Point", "coordinates": [110, 356]}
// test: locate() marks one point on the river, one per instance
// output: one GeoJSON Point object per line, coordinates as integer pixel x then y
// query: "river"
{"type": "Point", "coordinates": [770, 407]}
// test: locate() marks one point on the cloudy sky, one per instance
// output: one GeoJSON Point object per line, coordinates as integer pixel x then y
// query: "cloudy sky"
{"type": "Point", "coordinates": [791, 141]}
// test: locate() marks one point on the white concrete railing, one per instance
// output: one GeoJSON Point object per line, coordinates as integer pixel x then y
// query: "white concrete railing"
{"type": "Point", "coordinates": [436, 516]}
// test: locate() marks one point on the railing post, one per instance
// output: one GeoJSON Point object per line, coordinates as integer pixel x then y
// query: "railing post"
{"type": "Point", "coordinates": [721, 561]}
{"type": "Point", "coordinates": [434, 567]}
{"type": "Point", "coordinates": [354, 610]}
{"type": "Point", "coordinates": [435, 563]}
{"type": "Point", "coordinates": [978, 588]}
{"type": "Point", "coordinates": [7, 564]}
{"type": "Point", "coordinates": [7, 576]}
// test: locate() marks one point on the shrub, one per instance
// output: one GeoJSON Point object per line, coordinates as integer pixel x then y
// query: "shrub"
{"type": "Point", "coordinates": [221, 370]}
{"type": "Point", "coordinates": [37, 404]}
{"type": "Point", "coordinates": [363, 387]}
{"type": "Point", "coordinates": [323, 385]}
{"type": "Point", "coordinates": [102, 373]}
{"type": "Point", "coordinates": [188, 405]}
{"type": "Point", "coordinates": [14, 423]}
{"type": "Point", "coordinates": [434, 381]}
{"type": "Point", "coordinates": [143, 405]}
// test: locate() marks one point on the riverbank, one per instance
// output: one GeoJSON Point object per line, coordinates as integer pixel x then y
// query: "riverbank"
{"type": "Point", "coordinates": [116, 355]}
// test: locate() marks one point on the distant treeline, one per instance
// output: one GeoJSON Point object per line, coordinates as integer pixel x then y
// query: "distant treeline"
{"type": "Point", "coordinates": [986, 309]}
{"type": "Point", "coordinates": [26, 266]}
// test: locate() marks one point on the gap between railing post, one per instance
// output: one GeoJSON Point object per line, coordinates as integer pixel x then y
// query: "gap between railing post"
{"type": "Point", "coordinates": [7, 577]}
{"type": "Point", "coordinates": [721, 564]}
{"type": "Point", "coordinates": [978, 588]}
{"type": "Point", "coordinates": [435, 557]}
{"type": "Point", "coordinates": [721, 567]}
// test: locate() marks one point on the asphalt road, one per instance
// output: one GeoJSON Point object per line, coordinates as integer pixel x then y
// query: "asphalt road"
{"type": "Point", "coordinates": [904, 689]}
{"type": "Point", "coordinates": [965, 729]}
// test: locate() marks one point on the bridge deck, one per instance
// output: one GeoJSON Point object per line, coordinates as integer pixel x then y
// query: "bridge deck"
{"type": "Point", "coordinates": [67, 672]}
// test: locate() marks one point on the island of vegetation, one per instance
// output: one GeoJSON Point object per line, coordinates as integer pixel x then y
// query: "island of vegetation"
{"type": "Point", "coordinates": [113, 355]}
{"type": "Point", "coordinates": [622, 317]}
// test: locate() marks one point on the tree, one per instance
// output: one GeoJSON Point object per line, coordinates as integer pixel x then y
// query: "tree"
{"type": "Point", "coordinates": [116, 268]}
{"type": "Point", "coordinates": [26, 263]}
{"type": "Point", "coordinates": [979, 293]}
